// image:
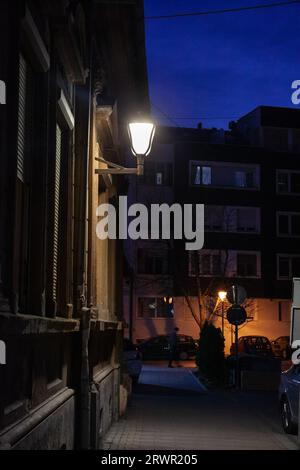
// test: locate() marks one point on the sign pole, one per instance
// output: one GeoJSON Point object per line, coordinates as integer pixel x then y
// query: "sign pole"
{"type": "Point", "coordinates": [236, 333]}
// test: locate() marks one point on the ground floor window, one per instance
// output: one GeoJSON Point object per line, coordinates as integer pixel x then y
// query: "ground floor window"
{"type": "Point", "coordinates": [155, 307]}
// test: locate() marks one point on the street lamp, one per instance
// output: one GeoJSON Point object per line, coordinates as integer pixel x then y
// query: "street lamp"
{"type": "Point", "coordinates": [222, 296]}
{"type": "Point", "coordinates": [141, 135]}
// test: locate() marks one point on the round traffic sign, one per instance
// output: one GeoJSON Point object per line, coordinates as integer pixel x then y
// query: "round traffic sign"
{"type": "Point", "coordinates": [236, 315]}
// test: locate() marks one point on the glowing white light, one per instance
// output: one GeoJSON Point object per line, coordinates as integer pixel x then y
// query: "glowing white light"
{"type": "Point", "coordinates": [222, 295]}
{"type": "Point", "coordinates": [141, 136]}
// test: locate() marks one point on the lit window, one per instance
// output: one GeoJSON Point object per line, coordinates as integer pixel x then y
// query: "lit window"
{"type": "Point", "coordinates": [240, 179]}
{"type": "Point", "coordinates": [198, 175]}
{"type": "Point", "coordinates": [155, 307]}
{"type": "Point", "coordinates": [244, 179]}
{"type": "Point", "coordinates": [206, 175]}
{"type": "Point", "coordinates": [201, 175]}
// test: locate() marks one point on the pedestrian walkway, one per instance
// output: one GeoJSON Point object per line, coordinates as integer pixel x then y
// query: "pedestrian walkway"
{"type": "Point", "coordinates": [161, 416]}
{"type": "Point", "coordinates": [180, 378]}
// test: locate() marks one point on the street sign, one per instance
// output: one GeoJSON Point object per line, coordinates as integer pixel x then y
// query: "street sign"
{"type": "Point", "coordinates": [237, 295]}
{"type": "Point", "coordinates": [236, 315]}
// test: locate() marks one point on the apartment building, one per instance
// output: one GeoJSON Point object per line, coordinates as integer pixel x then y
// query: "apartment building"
{"type": "Point", "coordinates": [249, 184]}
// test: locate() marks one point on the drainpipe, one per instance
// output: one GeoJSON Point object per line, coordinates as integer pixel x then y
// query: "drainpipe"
{"type": "Point", "coordinates": [85, 402]}
{"type": "Point", "coordinates": [131, 303]}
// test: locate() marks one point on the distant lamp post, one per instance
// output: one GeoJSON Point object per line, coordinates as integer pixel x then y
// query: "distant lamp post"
{"type": "Point", "coordinates": [141, 135]}
{"type": "Point", "coordinates": [222, 296]}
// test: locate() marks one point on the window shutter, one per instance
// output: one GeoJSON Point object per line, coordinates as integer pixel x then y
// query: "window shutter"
{"type": "Point", "coordinates": [21, 119]}
{"type": "Point", "coordinates": [56, 208]}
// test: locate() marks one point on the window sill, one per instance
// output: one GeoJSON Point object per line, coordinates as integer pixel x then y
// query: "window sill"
{"type": "Point", "coordinates": [21, 324]}
{"type": "Point", "coordinates": [211, 186]}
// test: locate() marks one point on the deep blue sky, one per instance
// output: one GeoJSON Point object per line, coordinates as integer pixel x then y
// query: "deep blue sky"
{"type": "Point", "coordinates": [220, 65]}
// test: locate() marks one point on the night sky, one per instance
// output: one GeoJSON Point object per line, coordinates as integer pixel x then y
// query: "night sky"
{"type": "Point", "coordinates": [220, 65]}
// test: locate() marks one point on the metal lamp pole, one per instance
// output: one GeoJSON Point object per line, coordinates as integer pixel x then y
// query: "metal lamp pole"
{"type": "Point", "coordinates": [223, 319]}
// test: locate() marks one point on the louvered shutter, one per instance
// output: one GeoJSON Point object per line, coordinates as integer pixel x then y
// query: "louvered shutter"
{"type": "Point", "coordinates": [56, 208]}
{"type": "Point", "coordinates": [21, 119]}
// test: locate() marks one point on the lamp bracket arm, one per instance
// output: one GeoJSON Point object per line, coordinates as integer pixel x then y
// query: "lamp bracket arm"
{"type": "Point", "coordinates": [109, 164]}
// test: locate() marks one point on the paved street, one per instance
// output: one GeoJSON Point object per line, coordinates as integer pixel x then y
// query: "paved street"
{"type": "Point", "coordinates": [169, 409]}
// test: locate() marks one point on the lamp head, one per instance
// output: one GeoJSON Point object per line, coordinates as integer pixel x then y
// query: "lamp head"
{"type": "Point", "coordinates": [141, 135]}
{"type": "Point", "coordinates": [222, 295]}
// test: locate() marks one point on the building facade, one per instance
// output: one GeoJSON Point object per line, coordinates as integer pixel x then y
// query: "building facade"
{"type": "Point", "coordinates": [247, 179]}
{"type": "Point", "coordinates": [74, 72]}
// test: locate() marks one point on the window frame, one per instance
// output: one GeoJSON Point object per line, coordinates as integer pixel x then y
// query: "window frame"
{"type": "Point", "coordinates": [214, 164]}
{"type": "Point", "coordinates": [290, 256]}
{"type": "Point", "coordinates": [289, 215]}
{"type": "Point", "coordinates": [289, 172]}
{"type": "Point", "coordinates": [230, 271]}
{"type": "Point", "coordinates": [226, 210]}
{"type": "Point", "coordinates": [155, 317]}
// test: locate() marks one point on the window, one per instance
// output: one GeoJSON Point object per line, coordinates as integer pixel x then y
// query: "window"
{"type": "Point", "coordinates": [282, 182]}
{"type": "Point", "coordinates": [214, 218]}
{"type": "Point", "coordinates": [283, 224]}
{"type": "Point", "coordinates": [295, 225]}
{"type": "Point", "coordinates": [158, 173]}
{"type": "Point", "coordinates": [206, 175]}
{"type": "Point", "coordinates": [27, 131]}
{"type": "Point", "coordinates": [288, 224]}
{"type": "Point", "coordinates": [246, 265]}
{"type": "Point", "coordinates": [155, 307]}
{"type": "Point", "coordinates": [244, 179]}
{"type": "Point", "coordinates": [288, 181]}
{"type": "Point", "coordinates": [227, 263]}
{"type": "Point", "coordinates": [225, 175]}
{"type": "Point", "coordinates": [146, 307]}
{"type": "Point", "coordinates": [288, 266]}
{"type": "Point", "coordinates": [247, 219]}
{"type": "Point", "coordinates": [209, 264]}
{"type": "Point", "coordinates": [295, 144]}
{"type": "Point", "coordinates": [295, 183]}
{"type": "Point", "coordinates": [232, 219]}
{"type": "Point", "coordinates": [284, 267]}
{"type": "Point", "coordinates": [201, 175]}
{"type": "Point", "coordinates": [153, 263]}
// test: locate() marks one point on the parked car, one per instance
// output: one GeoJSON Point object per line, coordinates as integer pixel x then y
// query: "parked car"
{"type": "Point", "coordinates": [158, 347]}
{"type": "Point", "coordinates": [281, 347]}
{"type": "Point", "coordinates": [253, 345]}
{"type": "Point", "coordinates": [132, 359]}
{"type": "Point", "coordinates": [289, 398]}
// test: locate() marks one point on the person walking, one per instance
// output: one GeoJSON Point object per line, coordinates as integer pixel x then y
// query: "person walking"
{"type": "Point", "coordinates": [173, 339]}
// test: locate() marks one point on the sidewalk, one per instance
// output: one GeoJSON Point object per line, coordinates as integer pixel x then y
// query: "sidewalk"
{"type": "Point", "coordinates": [170, 410]}
{"type": "Point", "coordinates": [179, 378]}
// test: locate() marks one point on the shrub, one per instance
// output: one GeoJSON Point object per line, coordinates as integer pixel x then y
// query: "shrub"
{"type": "Point", "coordinates": [210, 357]}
